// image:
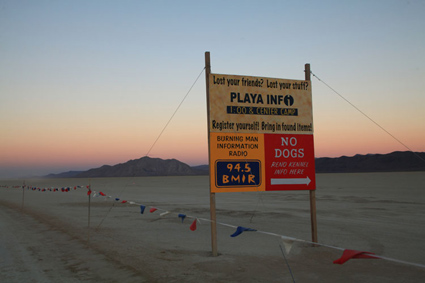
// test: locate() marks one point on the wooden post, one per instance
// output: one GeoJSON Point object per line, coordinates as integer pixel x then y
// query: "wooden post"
{"type": "Point", "coordinates": [23, 196]}
{"type": "Point", "coordinates": [312, 192]}
{"type": "Point", "coordinates": [313, 216]}
{"type": "Point", "coordinates": [212, 195]}
{"type": "Point", "coordinates": [213, 225]}
{"type": "Point", "coordinates": [88, 217]}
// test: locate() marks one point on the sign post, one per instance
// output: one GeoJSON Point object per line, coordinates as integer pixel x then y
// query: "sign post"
{"type": "Point", "coordinates": [23, 196]}
{"type": "Point", "coordinates": [212, 194]}
{"type": "Point", "coordinates": [312, 192]}
{"type": "Point", "coordinates": [260, 136]}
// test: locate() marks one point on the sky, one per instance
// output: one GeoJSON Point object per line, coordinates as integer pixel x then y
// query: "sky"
{"type": "Point", "coordinates": [88, 83]}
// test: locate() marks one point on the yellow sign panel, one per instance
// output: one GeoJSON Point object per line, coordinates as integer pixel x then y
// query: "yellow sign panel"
{"type": "Point", "coordinates": [242, 104]}
{"type": "Point", "coordinates": [261, 134]}
{"type": "Point", "coordinates": [237, 162]}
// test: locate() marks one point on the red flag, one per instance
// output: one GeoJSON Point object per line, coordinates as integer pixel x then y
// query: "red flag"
{"type": "Point", "coordinates": [193, 225]}
{"type": "Point", "coordinates": [349, 254]}
{"type": "Point", "coordinates": [102, 194]}
{"type": "Point", "coordinates": [89, 192]}
{"type": "Point", "coordinates": [153, 209]}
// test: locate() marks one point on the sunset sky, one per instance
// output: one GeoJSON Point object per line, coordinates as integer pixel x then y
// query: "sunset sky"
{"type": "Point", "coordinates": [88, 83]}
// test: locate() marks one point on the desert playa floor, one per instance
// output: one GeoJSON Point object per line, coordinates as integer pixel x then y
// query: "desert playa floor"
{"type": "Point", "coordinates": [48, 239]}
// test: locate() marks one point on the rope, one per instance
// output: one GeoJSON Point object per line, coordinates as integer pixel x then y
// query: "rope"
{"type": "Point", "coordinates": [283, 237]}
{"type": "Point", "coordinates": [113, 204]}
{"type": "Point", "coordinates": [290, 270]}
{"type": "Point", "coordinates": [364, 114]}
{"type": "Point", "coordinates": [172, 116]}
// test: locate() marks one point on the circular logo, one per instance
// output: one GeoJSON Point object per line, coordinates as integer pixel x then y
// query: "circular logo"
{"type": "Point", "coordinates": [289, 100]}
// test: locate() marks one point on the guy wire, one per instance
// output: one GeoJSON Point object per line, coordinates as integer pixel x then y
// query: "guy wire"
{"type": "Point", "coordinates": [110, 208]}
{"type": "Point", "coordinates": [172, 116]}
{"type": "Point", "coordinates": [364, 114]}
{"type": "Point", "coordinates": [290, 270]}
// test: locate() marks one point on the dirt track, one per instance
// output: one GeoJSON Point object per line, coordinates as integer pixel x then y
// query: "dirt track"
{"type": "Point", "coordinates": [33, 251]}
{"type": "Point", "coordinates": [48, 240]}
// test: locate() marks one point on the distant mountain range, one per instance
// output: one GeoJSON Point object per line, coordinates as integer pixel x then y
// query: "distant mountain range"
{"type": "Point", "coordinates": [392, 162]}
{"type": "Point", "coordinates": [142, 167]}
{"type": "Point", "coordinates": [398, 161]}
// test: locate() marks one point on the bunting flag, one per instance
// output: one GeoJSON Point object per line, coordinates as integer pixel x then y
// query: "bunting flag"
{"type": "Point", "coordinates": [182, 216]}
{"type": "Point", "coordinates": [142, 209]}
{"type": "Point", "coordinates": [349, 254]}
{"type": "Point", "coordinates": [193, 225]}
{"type": "Point", "coordinates": [50, 189]}
{"type": "Point", "coordinates": [287, 241]}
{"type": "Point", "coordinates": [240, 230]}
{"type": "Point", "coordinates": [287, 244]}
